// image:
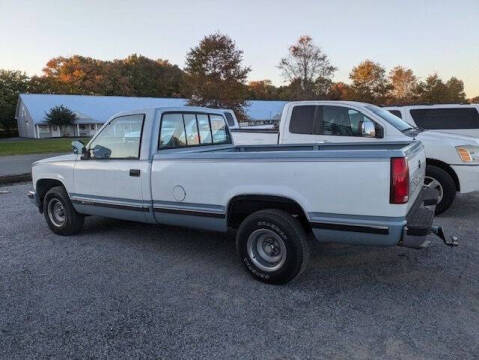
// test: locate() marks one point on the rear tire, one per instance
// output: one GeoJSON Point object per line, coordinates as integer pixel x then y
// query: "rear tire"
{"type": "Point", "coordinates": [440, 180]}
{"type": "Point", "coordinates": [59, 213]}
{"type": "Point", "coordinates": [273, 246]}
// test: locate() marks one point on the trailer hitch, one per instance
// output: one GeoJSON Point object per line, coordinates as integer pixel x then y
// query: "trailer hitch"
{"type": "Point", "coordinates": [453, 241]}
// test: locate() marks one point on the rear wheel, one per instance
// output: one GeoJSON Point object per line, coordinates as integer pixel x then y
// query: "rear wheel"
{"type": "Point", "coordinates": [272, 245]}
{"type": "Point", "coordinates": [59, 213]}
{"type": "Point", "coordinates": [439, 180]}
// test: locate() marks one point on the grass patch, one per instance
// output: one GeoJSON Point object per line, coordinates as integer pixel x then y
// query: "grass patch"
{"type": "Point", "coordinates": [37, 146]}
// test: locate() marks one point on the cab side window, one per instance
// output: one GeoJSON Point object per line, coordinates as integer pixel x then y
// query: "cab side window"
{"type": "Point", "coordinates": [192, 129]}
{"type": "Point", "coordinates": [120, 139]}
{"type": "Point", "coordinates": [341, 121]}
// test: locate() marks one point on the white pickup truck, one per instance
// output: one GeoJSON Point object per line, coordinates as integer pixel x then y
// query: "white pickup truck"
{"type": "Point", "coordinates": [178, 166]}
{"type": "Point", "coordinates": [452, 160]}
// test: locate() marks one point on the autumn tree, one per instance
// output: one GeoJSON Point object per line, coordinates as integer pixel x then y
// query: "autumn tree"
{"type": "Point", "coordinates": [135, 75]}
{"type": "Point", "coordinates": [369, 82]}
{"type": "Point", "coordinates": [215, 74]}
{"type": "Point", "coordinates": [79, 75]}
{"type": "Point", "coordinates": [403, 85]}
{"type": "Point", "coordinates": [12, 83]}
{"type": "Point", "coordinates": [340, 91]}
{"type": "Point", "coordinates": [262, 90]}
{"type": "Point", "coordinates": [309, 65]}
{"type": "Point", "coordinates": [474, 100]}
{"type": "Point", "coordinates": [60, 116]}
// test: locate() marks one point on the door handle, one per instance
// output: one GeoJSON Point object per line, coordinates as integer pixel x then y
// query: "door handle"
{"type": "Point", "coordinates": [134, 172]}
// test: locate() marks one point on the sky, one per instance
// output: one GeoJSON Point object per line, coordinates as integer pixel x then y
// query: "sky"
{"type": "Point", "coordinates": [425, 35]}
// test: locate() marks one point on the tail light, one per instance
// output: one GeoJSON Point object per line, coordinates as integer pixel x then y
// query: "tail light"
{"type": "Point", "coordinates": [399, 193]}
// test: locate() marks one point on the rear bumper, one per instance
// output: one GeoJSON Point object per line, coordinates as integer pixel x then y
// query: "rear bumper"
{"type": "Point", "coordinates": [419, 220]}
{"type": "Point", "coordinates": [468, 176]}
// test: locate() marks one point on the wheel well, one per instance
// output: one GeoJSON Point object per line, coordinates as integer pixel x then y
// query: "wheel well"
{"type": "Point", "coordinates": [447, 169]}
{"type": "Point", "coordinates": [43, 185]}
{"type": "Point", "coordinates": [242, 206]}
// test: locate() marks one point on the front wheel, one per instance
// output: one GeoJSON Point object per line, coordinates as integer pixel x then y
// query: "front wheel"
{"type": "Point", "coordinates": [439, 180]}
{"type": "Point", "coordinates": [272, 245]}
{"type": "Point", "coordinates": [59, 213]}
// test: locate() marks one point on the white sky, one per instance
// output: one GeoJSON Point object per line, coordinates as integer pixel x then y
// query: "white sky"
{"type": "Point", "coordinates": [427, 36]}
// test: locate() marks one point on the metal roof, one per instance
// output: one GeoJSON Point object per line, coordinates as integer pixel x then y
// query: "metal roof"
{"type": "Point", "coordinates": [98, 109]}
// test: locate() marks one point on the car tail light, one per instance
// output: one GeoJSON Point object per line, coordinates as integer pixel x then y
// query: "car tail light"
{"type": "Point", "coordinates": [399, 193]}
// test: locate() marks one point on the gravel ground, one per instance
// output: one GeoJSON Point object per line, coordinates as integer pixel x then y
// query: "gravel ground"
{"type": "Point", "coordinates": [126, 290]}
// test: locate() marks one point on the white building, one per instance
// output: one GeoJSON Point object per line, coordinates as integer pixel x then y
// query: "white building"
{"type": "Point", "coordinates": [93, 111]}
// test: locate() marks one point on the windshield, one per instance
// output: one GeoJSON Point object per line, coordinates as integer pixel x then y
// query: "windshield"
{"type": "Point", "coordinates": [398, 123]}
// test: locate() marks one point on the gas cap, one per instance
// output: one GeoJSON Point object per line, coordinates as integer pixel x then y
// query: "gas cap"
{"type": "Point", "coordinates": [179, 193]}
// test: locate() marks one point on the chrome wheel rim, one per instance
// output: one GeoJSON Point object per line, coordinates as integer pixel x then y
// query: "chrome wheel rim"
{"type": "Point", "coordinates": [266, 249]}
{"type": "Point", "coordinates": [436, 185]}
{"type": "Point", "coordinates": [56, 212]}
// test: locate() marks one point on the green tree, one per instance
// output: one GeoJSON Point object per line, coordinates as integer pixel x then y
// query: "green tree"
{"type": "Point", "coordinates": [435, 91]}
{"type": "Point", "coordinates": [403, 85]}
{"type": "Point", "coordinates": [455, 91]}
{"type": "Point", "coordinates": [12, 83]}
{"type": "Point", "coordinates": [148, 77]}
{"type": "Point", "coordinates": [215, 75]}
{"type": "Point", "coordinates": [307, 66]}
{"type": "Point", "coordinates": [60, 116]}
{"type": "Point", "coordinates": [369, 83]}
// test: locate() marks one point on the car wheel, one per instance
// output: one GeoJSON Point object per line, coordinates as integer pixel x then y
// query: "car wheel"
{"type": "Point", "coordinates": [439, 180]}
{"type": "Point", "coordinates": [272, 245]}
{"type": "Point", "coordinates": [59, 213]}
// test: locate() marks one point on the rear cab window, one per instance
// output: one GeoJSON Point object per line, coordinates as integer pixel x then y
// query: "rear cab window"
{"type": "Point", "coordinates": [446, 118]}
{"type": "Point", "coordinates": [303, 119]}
{"type": "Point", "coordinates": [188, 129]}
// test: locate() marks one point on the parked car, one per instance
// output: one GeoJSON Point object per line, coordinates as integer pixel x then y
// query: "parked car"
{"type": "Point", "coordinates": [184, 170]}
{"type": "Point", "coordinates": [452, 160]}
{"type": "Point", "coordinates": [451, 118]}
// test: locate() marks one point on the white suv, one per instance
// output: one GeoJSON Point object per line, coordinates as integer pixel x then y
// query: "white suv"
{"type": "Point", "coordinates": [451, 118]}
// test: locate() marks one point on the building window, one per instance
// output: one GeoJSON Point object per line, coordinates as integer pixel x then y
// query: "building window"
{"type": "Point", "coordinates": [44, 128]}
{"type": "Point", "coordinates": [92, 126]}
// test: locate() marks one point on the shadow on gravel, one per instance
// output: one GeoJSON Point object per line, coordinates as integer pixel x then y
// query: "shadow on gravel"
{"type": "Point", "coordinates": [355, 265]}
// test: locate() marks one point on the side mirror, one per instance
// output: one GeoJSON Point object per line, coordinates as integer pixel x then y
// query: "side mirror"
{"type": "Point", "coordinates": [368, 129]}
{"type": "Point", "coordinates": [78, 147]}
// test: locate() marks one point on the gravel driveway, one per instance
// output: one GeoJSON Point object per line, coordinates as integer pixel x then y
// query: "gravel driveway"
{"type": "Point", "coordinates": [127, 290]}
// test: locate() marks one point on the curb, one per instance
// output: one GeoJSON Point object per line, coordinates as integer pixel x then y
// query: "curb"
{"type": "Point", "coordinates": [10, 179]}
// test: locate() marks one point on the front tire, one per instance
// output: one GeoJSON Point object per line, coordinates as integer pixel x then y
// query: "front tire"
{"type": "Point", "coordinates": [443, 183]}
{"type": "Point", "coordinates": [272, 245]}
{"type": "Point", "coordinates": [59, 213]}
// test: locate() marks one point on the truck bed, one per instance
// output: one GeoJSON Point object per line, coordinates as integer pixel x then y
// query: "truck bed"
{"type": "Point", "coordinates": [330, 150]}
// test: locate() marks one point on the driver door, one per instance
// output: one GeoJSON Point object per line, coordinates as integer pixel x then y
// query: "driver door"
{"type": "Point", "coordinates": [107, 182]}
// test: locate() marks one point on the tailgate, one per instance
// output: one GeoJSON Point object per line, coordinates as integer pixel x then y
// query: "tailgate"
{"type": "Point", "coordinates": [416, 159]}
